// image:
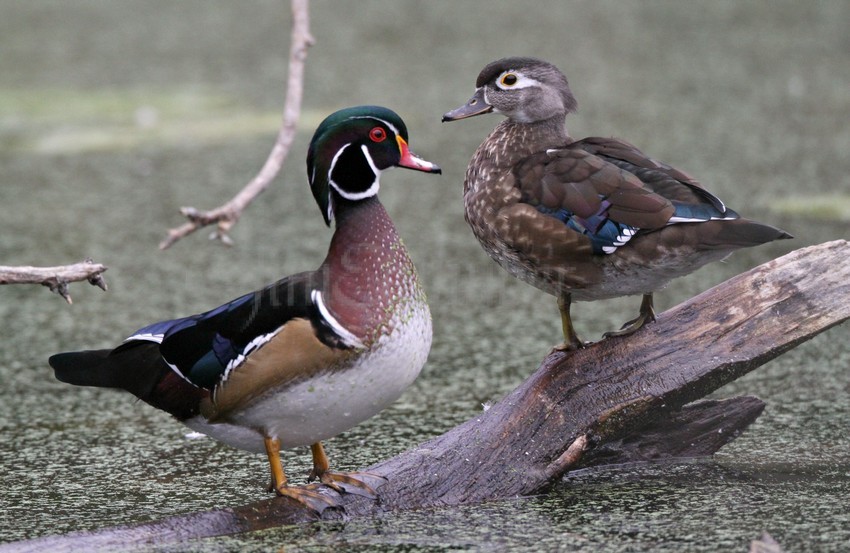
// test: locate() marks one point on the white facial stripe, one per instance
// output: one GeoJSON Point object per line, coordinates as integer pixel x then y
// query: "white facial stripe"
{"type": "Point", "coordinates": [522, 81]}
{"type": "Point", "coordinates": [334, 160]}
{"type": "Point", "coordinates": [331, 170]}
{"type": "Point", "coordinates": [330, 213]}
{"type": "Point", "coordinates": [330, 207]}
{"type": "Point", "coordinates": [392, 127]}
{"type": "Point", "coordinates": [347, 337]}
{"type": "Point", "coordinates": [369, 159]}
{"type": "Point", "coordinates": [371, 191]}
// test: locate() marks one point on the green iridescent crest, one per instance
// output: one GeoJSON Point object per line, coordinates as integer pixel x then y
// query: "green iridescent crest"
{"type": "Point", "coordinates": [349, 150]}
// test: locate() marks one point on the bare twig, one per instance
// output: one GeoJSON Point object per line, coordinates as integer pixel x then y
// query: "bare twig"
{"type": "Point", "coordinates": [226, 215]}
{"type": "Point", "coordinates": [567, 459]}
{"type": "Point", "coordinates": [56, 278]}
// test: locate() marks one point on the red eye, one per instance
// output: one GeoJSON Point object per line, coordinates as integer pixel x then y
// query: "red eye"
{"type": "Point", "coordinates": [378, 134]}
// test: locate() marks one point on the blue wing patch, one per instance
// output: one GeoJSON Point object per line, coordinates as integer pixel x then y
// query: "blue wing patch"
{"type": "Point", "coordinates": [206, 371]}
{"type": "Point", "coordinates": [224, 350]}
{"type": "Point", "coordinates": [605, 234]}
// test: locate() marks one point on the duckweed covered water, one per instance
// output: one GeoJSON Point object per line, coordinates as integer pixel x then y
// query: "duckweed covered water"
{"type": "Point", "coordinates": [113, 115]}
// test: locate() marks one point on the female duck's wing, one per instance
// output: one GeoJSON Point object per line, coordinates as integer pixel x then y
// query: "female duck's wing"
{"type": "Point", "coordinates": [591, 196]}
{"type": "Point", "coordinates": [671, 183]}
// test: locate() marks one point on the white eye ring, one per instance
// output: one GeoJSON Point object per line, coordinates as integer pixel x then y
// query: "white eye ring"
{"type": "Point", "coordinates": [511, 79]}
{"type": "Point", "coordinates": [508, 79]}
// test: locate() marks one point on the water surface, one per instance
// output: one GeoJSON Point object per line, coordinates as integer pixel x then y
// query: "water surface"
{"type": "Point", "coordinates": [113, 115]}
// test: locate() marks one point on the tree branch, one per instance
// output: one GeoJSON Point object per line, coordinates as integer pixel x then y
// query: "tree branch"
{"type": "Point", "coordinates": [619, 400]}
{"type": "Point", "coordinates": [56, 278]}
{"type": "Point", "coordinates": [225, 216]}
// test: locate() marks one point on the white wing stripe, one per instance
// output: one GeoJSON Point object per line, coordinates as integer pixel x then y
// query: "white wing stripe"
{"type": "Point", "coordinates": [148, 337]}
{"type": "Point", "coordinates": [250, 348]}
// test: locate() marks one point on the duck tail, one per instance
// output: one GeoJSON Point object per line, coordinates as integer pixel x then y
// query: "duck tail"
{"type": "Point", "coordinates": [744, 233]}
{"type": "Point", "coordinates": [84, 368]}
{"type": "Point", "coordinates": [137, 367]}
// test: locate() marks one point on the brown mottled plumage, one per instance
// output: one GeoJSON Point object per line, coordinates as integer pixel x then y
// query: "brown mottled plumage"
{"type": "Point", "coordinates": [588, 219]}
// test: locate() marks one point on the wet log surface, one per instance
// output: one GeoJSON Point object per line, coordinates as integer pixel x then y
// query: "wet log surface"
{"type": "Point", "coordinates": [617, 401]}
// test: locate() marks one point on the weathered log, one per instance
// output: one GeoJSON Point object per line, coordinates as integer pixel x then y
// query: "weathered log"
{"type": "Point", "coordinates": [612, 402]}
{"type": "Point", "coordinates": [699, 429]}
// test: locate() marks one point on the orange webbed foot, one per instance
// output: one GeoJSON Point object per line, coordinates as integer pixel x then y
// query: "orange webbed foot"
{"type": "Point", "coordinates": [356, 483]}
{"type": "Point", "coordinates": [309, 496]}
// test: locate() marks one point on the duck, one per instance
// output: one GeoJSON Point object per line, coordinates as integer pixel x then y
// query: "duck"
{"type": "Point", "coordinates": [588, 219]}
{"type": "Point", "coordinates": [311, 355]}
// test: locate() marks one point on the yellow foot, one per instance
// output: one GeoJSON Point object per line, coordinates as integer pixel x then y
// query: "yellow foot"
{"type": "Point", "coordinates": [570, 346]}
{"type": "Point", "coordinates": [646, 315]}
{"type": "Point", "coordinates": [632, 326]}
{"type": "Point", "coordinates": [310, 496]}
{"type": "Point", "coordinates": [356, 483]}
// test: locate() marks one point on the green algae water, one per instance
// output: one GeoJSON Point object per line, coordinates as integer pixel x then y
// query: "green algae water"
{"type": "Point", "coordinates": [115, 114]}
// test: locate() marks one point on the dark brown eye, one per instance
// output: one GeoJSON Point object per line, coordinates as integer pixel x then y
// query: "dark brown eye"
{"type": "Point", "coordinates": [509, 79]}
{"type": "Point", "coordinates": [378, 134]}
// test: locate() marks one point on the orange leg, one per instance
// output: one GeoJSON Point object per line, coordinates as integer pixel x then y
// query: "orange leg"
{"type": "Point", "coordinates": [320, 460]}
{"type": "Point", "coordinates": [351, 482]}
{"type": "Point", "coordinates": [312, 499]}
{"type": "Point", "coordinates": [273, 453]}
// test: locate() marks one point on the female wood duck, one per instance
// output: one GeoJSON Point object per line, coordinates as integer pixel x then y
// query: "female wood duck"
{"type": "Point", "coordinates": [311, 355]}
{"type": "Point", "coordinates": [584, 219]}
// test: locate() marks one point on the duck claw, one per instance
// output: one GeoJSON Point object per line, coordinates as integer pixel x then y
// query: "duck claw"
{"type": "Point", "coordinates": [628, 328]}
{"type": "Point", "coordinates": [631, 326]}
{"type": "Point", "coordinates": [646, 315]}
{"type": "Point", "coordinates": [355, 483]}
{"type": "Point", "coordinates": [573, 346]}
{"type": "Point", "coordinates": [309, 496]}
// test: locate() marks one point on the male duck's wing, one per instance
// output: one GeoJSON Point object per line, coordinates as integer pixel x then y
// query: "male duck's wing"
{"type": "Point", "coordinates": [228, 350]}
{"type": "Point", "coordinates": [278, 334]}
{"type": "Point", "coordinates": [203, 346]}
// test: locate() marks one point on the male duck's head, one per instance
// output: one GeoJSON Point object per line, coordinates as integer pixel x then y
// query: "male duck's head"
{"type": "Point", "coordinates": [349, 151]}
{"type": "Point", "coordinates": [525, 90]}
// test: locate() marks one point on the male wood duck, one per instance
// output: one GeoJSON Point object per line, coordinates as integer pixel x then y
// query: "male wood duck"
{"type": "Point", "coordinates": [311, 355]}
{"type": "Point", "coordinates": [584, 219]}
